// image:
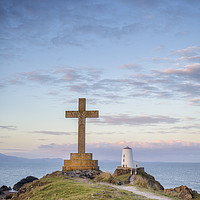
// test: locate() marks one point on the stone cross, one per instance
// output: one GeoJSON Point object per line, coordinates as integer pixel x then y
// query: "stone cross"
{"type": "Point", "coordinates": [81, 114]}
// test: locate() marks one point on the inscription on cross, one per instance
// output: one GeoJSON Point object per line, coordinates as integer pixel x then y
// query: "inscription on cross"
{"type": "Point", "coordinates": [81, 114]}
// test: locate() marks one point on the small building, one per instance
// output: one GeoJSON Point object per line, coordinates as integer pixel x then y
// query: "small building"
{"type": "Point", "coordinates": [127, 158]}
{"type": "Point", "coordinates": [128, 165]}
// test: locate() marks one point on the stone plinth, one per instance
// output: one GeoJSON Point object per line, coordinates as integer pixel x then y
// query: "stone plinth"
{"type": "Point", "coordinates": [80, 161]}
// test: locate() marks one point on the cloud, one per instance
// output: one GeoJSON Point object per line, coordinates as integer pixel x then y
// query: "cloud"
{"type": "Point", "coordinates": [172, 82]}
{"type": "Point", "coordinates": [37, 77]}
{"type": "Point", "coordinates": [157, 84]}
{"type": "Point", "coordinates": [70, 22]}
{"type": "Point", "coordinates": [189, 51]}
{"type": "Point", "coordinates": [187, 128]}
{"type": "Point", "coordinates": [10, 128]}
{"type": "Point", "coordinates": [189, 54]}
{"type": "Point", "coordinates": [73, 78]}
{"type": "Point", "coordinates": [81, 88]}
{"type": "Point", "coordinates": [14, 150]}
{"type": "Point", "coordinates": [181, 33]}
{"type": "Point", "coordinates": [191, 72]}
{"type": "Point", "coordinates": [160, 151]}
{"type": "Point", "coordinates": [2, 85]}
{"type": "Point", "coordinates": [52, 132]}
{"type": "Point", "coordinates": [4, 136]}
{"type": "Point", "coordinates": [159, 49]}
{"type": "Point", "coordinates": [195, 101]}
{"type": "Point", "coordinates": [79, 23]}
{"type": "Point", "coordinates": [163, 59]}
{"type": "Point", "coordinates": [68, 73]}
{"type": "Point", "coordinates": [132, 66]}
{"type": "Point", "coordinates": [123, 119]}
{"type": "Point", "coordinates": [190, 58]}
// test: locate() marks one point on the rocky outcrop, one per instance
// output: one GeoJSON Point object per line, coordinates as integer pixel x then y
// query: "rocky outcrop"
{"type": "Point", "coordinates": [141, 178]}
{"type": "Point", "coordinates": [5, 192]}
{"type": "Point", "coordinates": [91, 174]}
{"type": "Point", "coordinates": [127, 170]}
{"type": "Point", "coordinates": [8, 196]}
{"type": "Point", "coordinates": [5, 188]}
{"type": "Point", "coordinates": [182, 191]}
{"type": "Point", "coordinates": [144, 179]}
{"type": "Point", "coordinates": [121, 171]}
{"type": "Point", "coordinates": [28, 179]}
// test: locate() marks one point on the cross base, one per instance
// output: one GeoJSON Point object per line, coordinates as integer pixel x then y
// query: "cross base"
{"type": "Point", "coordinates": [80, 161]}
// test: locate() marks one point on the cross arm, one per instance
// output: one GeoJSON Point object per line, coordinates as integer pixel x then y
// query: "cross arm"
{"type": "Point", "coordinates": [92, 114]}
{"type": "Point", "coordinates": [71, 114]}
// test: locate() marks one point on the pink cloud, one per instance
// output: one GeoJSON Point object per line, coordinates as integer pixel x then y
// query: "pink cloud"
{"type": "Point", "coordinates": [171, 150]}
{"type": "Point", "coordinates": [195, 101]}
{"type": "Point", "coordinates": [188, 73]}
{"type": "Point", "coordinates": [190, 58]}
{"type": "Point", "coordinates": [188, 69]}
{"type": "Point", "coordinates": [187, 51]}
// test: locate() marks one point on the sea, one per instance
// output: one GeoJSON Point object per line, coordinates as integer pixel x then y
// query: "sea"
{"type": "Point", "coordinates": [170, 175]}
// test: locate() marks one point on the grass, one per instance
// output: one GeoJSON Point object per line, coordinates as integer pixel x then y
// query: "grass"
{"type": "Point", "coordinates": [125, 178]}
{"type": "Point", "coordinates": [62, 187]}
{"type": "Point", "coordinates": [145, 180]}
{"type": "Point", "coordinates": [106, 177]}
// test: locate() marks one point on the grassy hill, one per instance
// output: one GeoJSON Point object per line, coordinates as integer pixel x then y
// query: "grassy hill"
{"type": "Point", "coordinates": [57, 186]}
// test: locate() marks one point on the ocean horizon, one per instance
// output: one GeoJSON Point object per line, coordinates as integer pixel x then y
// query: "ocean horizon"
{"type": "Point", "coordinates": [169, 174]}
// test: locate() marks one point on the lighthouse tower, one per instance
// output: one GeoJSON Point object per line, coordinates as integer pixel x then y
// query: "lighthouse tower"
{"type": "Point", "coordinates": [128, 165]}
{"type": "Point", "coordinates": [127, 158]}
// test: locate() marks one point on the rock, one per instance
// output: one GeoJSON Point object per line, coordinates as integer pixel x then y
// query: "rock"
{"type": "Point", "coordinates": [126, 170]}
{"type": "Point", "coordinates": [91, 174]}
{"type": "Point", "coordinates": [8, 196]}
{"type": "Point", "coordinates": [122, 171]}
{"type": "Point", "coordinates": [28, 179]}
{"type": "Point", "coordinates": [1, 192]}
{"type": "Point", "coordinates": [183, 192]}
{"type": "Point", "coordinates": [144, 179]}
{"type": "Point", "coordinates": [5, 188]}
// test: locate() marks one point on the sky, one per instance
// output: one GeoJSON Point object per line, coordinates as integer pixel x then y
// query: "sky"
{"type": "Point", "coordinates": [136, 61]}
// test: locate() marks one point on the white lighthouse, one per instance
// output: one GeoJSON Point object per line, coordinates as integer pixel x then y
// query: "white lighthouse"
{"type": "Point", "coordinates": [127, 158]}
{"type": "Point", "coordinates": [128, 165]}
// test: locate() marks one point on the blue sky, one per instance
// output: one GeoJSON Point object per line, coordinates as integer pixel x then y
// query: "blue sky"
{"type": "Point", "coordinates": [136, 61]}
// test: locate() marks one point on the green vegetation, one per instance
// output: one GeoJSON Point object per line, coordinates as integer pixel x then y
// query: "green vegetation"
{"type": "Point", "coordinates": [57, 186]}
{"type": "Point", "coordinates": [124, 179]}
{"type": "Point", "coordinates": [107, 177]}
{"type": "Point", "coordinates": [196, 196]}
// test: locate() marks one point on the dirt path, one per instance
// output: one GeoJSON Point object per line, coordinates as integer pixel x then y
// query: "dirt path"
{"type": "Point", "coordinates": [131, 179]}
{"type": "Point", "coordinates": [136, 191]}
